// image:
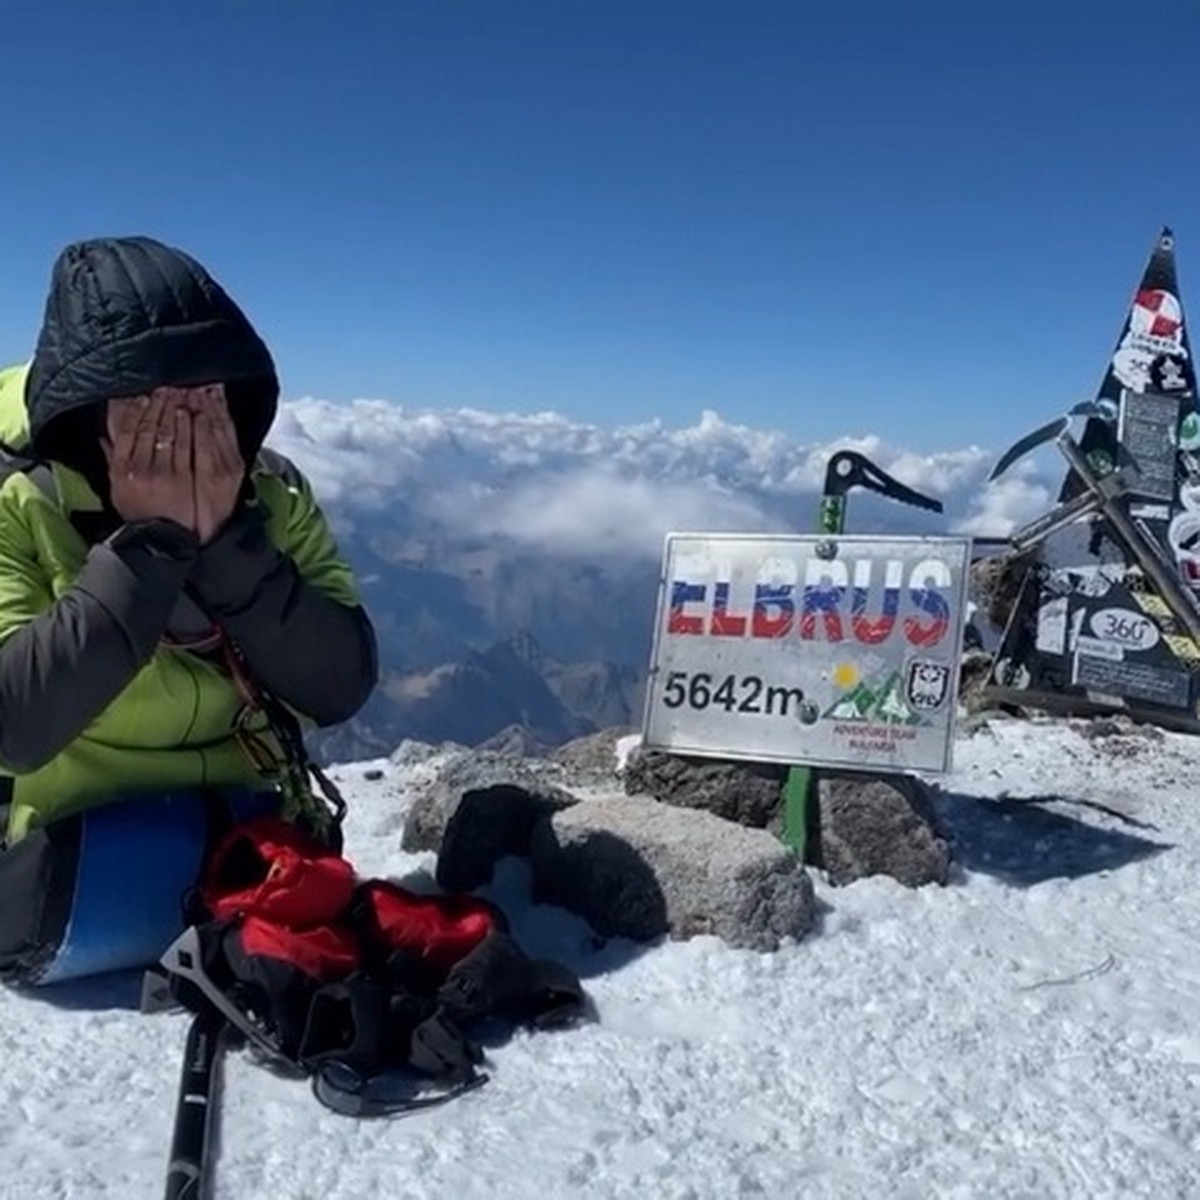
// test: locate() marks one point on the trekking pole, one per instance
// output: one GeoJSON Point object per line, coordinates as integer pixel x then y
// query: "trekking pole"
{"type": "Point", "coordinates": [847, 469]}
{"type": "Point", "coordinates": [188, 1170]}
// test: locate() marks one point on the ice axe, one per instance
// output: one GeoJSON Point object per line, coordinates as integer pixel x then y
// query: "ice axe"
{"type": "Point", "coordinates": [1052, 431]}
{"type": "Point", "coordinates": [847, 470]}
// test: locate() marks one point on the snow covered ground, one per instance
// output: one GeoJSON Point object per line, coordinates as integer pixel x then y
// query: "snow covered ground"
{"type": "Point", "coordinates": [1032, 1030]}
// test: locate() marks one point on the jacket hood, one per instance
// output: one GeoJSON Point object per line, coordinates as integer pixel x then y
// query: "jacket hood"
{"type": "Point", "coordinates": [127, 315]}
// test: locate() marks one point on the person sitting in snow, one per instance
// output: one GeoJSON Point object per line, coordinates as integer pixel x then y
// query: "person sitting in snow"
{"type": "Point", "coordinates": [172, 600]}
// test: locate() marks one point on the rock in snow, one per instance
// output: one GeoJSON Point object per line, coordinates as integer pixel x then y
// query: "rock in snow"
{"type": "Point", "coordinates": [746, 793]}
{"type": "Point", "coordinates": [632, 867]}
{"type": "Point", "coordinates": [869, 824]}
{"type": "Point", "coordinates": [692, 848]}
{"type": "Point", "coordinates": [872, 825]}
{"type": "Point", "coordinates": [479, 809]}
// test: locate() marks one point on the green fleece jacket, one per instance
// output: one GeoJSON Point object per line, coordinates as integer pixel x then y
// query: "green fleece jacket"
{"type": "Point", "coordinates": [98, 695]}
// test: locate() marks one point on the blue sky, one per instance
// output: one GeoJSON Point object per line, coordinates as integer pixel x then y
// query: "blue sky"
{"type": "Point", "coordinates": [919, 219]}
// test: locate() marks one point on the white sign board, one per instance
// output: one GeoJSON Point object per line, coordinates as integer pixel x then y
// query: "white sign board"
{"type": "Point", "coordinates": [830, 651]}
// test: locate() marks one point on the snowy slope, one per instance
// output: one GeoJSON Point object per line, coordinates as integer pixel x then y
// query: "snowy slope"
{"type": "Point", "coordinates": [1029, 1031]}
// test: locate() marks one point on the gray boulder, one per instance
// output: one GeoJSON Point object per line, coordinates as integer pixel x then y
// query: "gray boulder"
{"type": "Point", "coordinates": [746, 793]}
{"type": "Point", "coordinates": [593, 758]}
{"type": "Point", "coordinates": [410, 752]}
{"type": "Point", "coordinates": [632, 867]}
{"type": "Point", "coordinates": [879, 825]}
{"type": "Point", "coordinates": [478, 809]}
{"type": "Point", "coordinates": [514, 741]}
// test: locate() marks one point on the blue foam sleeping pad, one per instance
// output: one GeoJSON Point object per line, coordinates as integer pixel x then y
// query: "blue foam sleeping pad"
{"type": "Point", "coordinates": [137, 861]}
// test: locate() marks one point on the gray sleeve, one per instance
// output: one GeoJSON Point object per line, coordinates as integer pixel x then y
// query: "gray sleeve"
{"type": "Point", "coordinates": [59, 672]}
{"type": "Point", "coordinates": [316, 655]}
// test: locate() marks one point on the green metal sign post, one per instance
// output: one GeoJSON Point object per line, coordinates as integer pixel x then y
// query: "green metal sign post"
{"type": "Point", "coordinates": [847, 469]}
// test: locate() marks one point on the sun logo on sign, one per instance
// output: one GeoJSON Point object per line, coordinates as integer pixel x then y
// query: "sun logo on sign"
{"type": "Point", "coordinates": [845, 675]}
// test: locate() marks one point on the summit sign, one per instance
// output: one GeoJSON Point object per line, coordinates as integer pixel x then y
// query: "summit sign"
{"type": "Point", "coordinates": [837, 651]}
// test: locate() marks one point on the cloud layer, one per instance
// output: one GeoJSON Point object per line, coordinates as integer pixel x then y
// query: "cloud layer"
{"type": "Point", "coordinates": [566, 487]}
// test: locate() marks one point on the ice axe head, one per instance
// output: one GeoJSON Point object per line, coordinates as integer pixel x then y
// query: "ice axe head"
{"type": "Point", "coordinates": [848, 469]}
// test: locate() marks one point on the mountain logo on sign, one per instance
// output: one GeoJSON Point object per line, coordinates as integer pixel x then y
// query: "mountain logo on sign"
{"type": "Point", "coordinates": [876, 700]}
